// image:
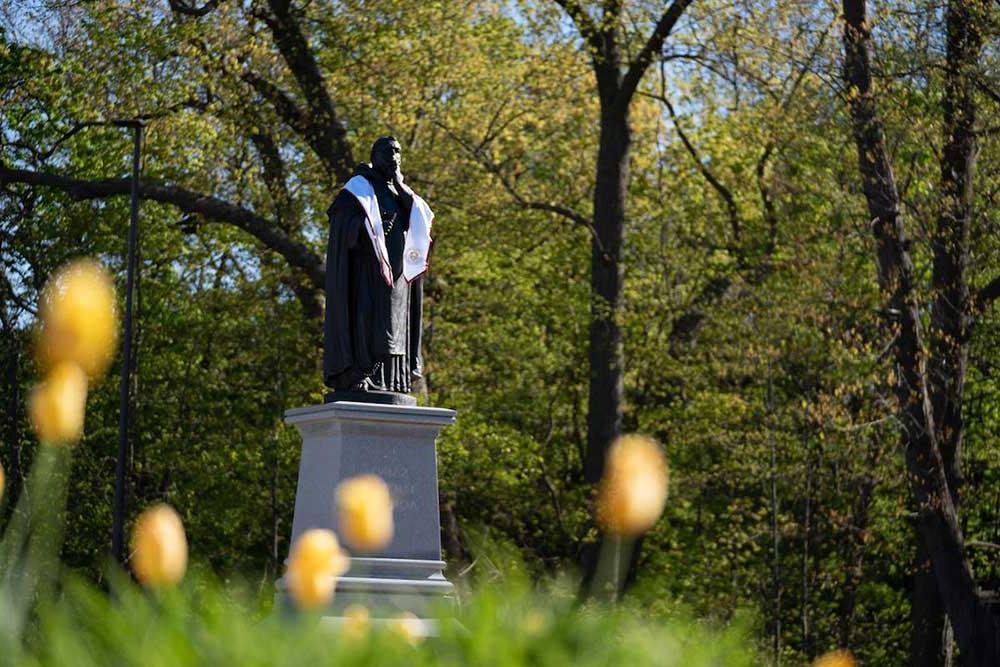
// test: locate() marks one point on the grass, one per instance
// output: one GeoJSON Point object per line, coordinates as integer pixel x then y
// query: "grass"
{"type": "Point", "coordinates": [205, 623]}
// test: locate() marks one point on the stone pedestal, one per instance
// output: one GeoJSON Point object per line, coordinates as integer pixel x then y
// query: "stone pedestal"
{"type": "Point", "coordinates": [395, 442]}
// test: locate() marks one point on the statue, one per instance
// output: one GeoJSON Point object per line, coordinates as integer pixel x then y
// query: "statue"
{"type": "Point", "coordinates": [378, 249]}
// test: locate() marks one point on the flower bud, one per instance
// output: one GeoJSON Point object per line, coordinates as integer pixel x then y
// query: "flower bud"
{"type": "Point", "coordinates": [364, 513]}
{"type": "Point", "coordinates": [633, 490]}
{"type": "Point", "coordinates": [356, 622]}
{"type": "Point", "coordinates": [314, 564]}
{"type": "Point", "coordinates": [839, 658]}
{"type": "Point", "coordinates": [409, 627]}
{"type": "Point", "coordinates": [57, 406]}
{"type": "Point", "coordinates": [159, 547]}
{"type": "Point", "coordinates": [78, 318]}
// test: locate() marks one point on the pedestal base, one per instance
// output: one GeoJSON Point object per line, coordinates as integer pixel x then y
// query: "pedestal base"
{"type": "Point", "coordinates": [344, 439]}
{"type": "Point", "coordinates": [387, 587]}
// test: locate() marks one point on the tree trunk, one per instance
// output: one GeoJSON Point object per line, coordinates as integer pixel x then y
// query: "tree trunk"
{"type": "Point", "coordinates": [929, 462]}
{"type": "Point", "coordinates": [604, 414]}
{"type": "Point", "coordinates": [951, 314]}
{"type": "Point", "coordinates": [13, 413]}
{"type": "Point", "coordinates": [606, 354]}
{"type": "Point", "coordinates": [927, 618]}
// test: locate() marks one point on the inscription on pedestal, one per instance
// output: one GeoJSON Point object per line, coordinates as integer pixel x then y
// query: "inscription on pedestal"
{"type": "Point", "coordinates": [401, 488]}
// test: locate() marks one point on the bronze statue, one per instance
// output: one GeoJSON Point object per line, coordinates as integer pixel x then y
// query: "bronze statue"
{"type": "Point", "coordinates": [378, 250]}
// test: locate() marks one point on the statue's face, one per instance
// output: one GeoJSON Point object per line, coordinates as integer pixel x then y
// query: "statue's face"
{"type": "Point", "coordinates": [386, 157]}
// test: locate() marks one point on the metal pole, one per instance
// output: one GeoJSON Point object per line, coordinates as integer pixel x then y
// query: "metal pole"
{"type": "Point", "coordinates": [118, 526]}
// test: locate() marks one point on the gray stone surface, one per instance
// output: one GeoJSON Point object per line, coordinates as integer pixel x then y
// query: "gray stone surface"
{"type": "Point", "coordinates": [345, 439]}
{"type": "Point", "coordinates": [371, 396]}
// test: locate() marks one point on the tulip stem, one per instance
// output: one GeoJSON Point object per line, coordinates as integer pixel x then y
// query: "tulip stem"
{"type": "Point", "coordinates": [614, 550]}
{"type": "Point", "coordinates": [616, 541]}
{"type": "Point", "coordinates": [30, 546]}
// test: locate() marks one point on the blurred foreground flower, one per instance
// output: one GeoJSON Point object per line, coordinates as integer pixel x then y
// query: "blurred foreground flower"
{"type": "Point", "coordinates": [160, 548]}
{"type": "Point", "coordinates": [364, 513]}
{"type": "Point", "coordinates": [409, 627]}
{"type": "Point", "coordinates": [313, 567]}
{"type": "Point", "coordinates": [534, 622]}
{"type": "Point", "coordinates": [57, 406]}
{"type": "Point", "coordinates": [78, 318]}
{"type": "Point", "coordinates": [3, 481]}
{"type": "Point", "coordinates": [633, 490]}
{"type": "Point", "coordinates": [356, 622]}
{"type": "Point", "coordinates": [835, 659]}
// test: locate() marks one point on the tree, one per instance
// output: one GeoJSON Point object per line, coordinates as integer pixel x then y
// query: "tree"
{"type": "Point", "coordinates": [931, 366]}
{"type": "Point", "coordinates": [616, 77]}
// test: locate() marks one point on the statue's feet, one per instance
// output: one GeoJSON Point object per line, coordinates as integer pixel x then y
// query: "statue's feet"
{"type": "Point", "coordinates": [364, 385]}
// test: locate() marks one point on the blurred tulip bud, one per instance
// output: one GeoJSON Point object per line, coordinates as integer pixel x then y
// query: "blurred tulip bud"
{"type": "Point", "coordinates": [57, 406]}
{"type": "Point", "coordinates": [835, 659]}
{"type": "Point", "coordinates": [534, 622]}
{"type": "Point", "coordinates": [78, 318]}
{"type": "Point", "coordinates": [409, 627]}
{"type": "Point", "coordinates": [356, 622]}
{"type": "Point", "coordinates": [3, 481]}
{"type": "Point", "coordinates": [633, 490]}
{"type": "Point", "coordinates": [314, 564]}
{"type": "Point", "coordinates": [159, 547]}
{"type": "Point", "coordinates": [364, 513]}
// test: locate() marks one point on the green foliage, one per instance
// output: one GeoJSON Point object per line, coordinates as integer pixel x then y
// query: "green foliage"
{"type": "Point", "coordinates": [205, 624]}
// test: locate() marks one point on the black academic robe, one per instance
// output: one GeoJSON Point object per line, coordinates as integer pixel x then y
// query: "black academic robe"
{"type": "Point", "coordinates": [371, 329]}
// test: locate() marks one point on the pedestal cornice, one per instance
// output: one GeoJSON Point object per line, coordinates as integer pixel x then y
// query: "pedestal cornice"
{"type": "Point", "coordinates": [372, 412]}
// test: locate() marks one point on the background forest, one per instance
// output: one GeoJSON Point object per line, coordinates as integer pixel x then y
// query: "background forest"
{"type": "Point", "coordinates": [750, 312]}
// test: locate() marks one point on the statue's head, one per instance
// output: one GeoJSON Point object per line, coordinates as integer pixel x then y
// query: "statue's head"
{"type": "Point", "coordinates": [386, 156]}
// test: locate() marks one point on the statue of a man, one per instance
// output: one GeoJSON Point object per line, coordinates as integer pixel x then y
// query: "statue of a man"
{"type": "Point", "coordinates": [378, 249]}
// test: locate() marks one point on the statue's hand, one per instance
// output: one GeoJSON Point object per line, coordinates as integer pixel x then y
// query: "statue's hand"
{"type": "Point", "coordinates": [401, 187]}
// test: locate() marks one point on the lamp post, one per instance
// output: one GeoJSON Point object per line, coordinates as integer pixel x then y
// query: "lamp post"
{"type": "Point", "coordinates": [118, 522]}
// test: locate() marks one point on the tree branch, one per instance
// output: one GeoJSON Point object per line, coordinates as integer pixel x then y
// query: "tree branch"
{"type": "Point", "coordinates": [978, 544]}
{"type": "Point", "coordinates": [652, 47]}
{"type": "Point", "coordinates": [183, 7]}
{"type": "Point", "coordinates": [297, 254]}
{"type": "Point", "coordinates": [724, 192]}
{"type": "Point", "coordinates": [685, 326]}
{"type": "Point", "coordinates": [766, 200]}
{"type": "Point", "coordinates": [283, 104]}
{"type": "Point", "coordinates": [986, 295]}
{"type": "Point", "coordinates": [324, 131]}
{"type": "Point", "coordinates": [274, 178]}
{"type": "Point", "coordinates": [477, 153]}
{"type": "Point", "coordinates": [584, 24]}
{"type": "Point", "coordinates": [77, 127]}
{"type": "Point", "coordinates": [612, 11]}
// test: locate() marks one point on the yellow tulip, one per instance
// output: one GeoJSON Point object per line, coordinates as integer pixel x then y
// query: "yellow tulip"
{"type": "Point", "coordinates": [57, 406]}
{"type": "Point", "coordinates": [835, 659]}
{"type": "Point", "coordinates": [534, 622]}
{"type": "Point", "coordinates": [78, 318]}
{"type": "Point", "coordinates": [409, 627]}
{"type": "Point", "coordinates": [356, 622]}
{"type": "Point", "coordinates": [364, 513]}
{"type": "Point", "coordinates": [633, 491]}
{"type": "Point", "coordinates": [314, 564]}
{"type": "Point", "coordinates": [3, 481]}
{"type": "Point", "coordinates": [159, 547]}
